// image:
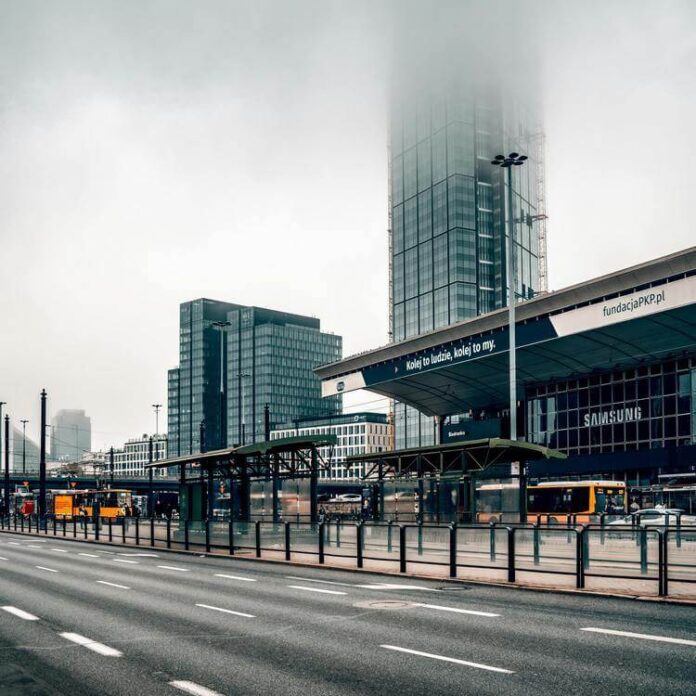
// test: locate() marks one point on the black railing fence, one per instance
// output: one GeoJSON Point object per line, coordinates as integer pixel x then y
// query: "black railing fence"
{"type": "Point", "coordinates": [660, 555]}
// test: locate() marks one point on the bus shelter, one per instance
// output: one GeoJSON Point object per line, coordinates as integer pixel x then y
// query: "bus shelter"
{"type": "Point", "coordinates": [205, 477]}
{"type": "Point", "coordinates": [443, 477]}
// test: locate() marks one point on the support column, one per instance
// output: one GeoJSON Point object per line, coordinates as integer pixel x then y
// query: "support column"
{"type": "Point", "coordinates": [150, 491]}
{"type": "Point", "coordinates": [313, 488]}
{"type": "Point", "coordinates": [7, 464]}
{"type": "Point", "coordinates": [244, 493]}
{"type": "Point", "coordinates": [275, 483]}
{"type": "Point", "coordinates": [211, 493]}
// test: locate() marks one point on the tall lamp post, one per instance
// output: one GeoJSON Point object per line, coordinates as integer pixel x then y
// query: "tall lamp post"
{"type": "Point", "coordinates": [512, 160]}
{"type": "Point", "coordinates": [5, 506]}
{"type": "Point", "coordinates": [242, 376]}
{"type": "Point", "coordinates": [157, 408]}
{"type": "Point", "coordinates": [24, 445]}
{"type": "Point", "coordinates": [221, 326]}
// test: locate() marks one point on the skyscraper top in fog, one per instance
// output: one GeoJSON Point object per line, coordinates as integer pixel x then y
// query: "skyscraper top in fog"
{"type": "Point", "coordinates": [71, 435]}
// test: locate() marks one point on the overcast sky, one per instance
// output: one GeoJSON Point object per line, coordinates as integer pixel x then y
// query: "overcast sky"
{"type": "Point", "coordinates": [154, 152]}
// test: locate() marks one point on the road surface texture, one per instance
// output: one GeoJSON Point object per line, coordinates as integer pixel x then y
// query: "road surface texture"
{"type": "Point", "coordinates": [90, 619]}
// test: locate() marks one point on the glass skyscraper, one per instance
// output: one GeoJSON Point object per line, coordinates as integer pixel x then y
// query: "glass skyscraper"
{"type": "Point", "coordinates": [448, 230]}
{"type": "Point", "coordinates": [267, 357]}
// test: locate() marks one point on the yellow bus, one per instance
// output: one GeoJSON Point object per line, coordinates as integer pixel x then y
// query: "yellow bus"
{"type": "Point", "coordinates": [110, 501]}
{"type": "Point", "coordinates": [554, 501]}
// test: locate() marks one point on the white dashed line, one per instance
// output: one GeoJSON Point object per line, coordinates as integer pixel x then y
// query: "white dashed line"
{"type": "Point", "coordinates": [2, 558]}
{"type": "Point", "coordinates": [234, 577]}
{"type": "Point", "coordinates": [92, 645]}
{"type": "Point", "coordinates": [436, 607]}
{"type": "Point", "coordinates": [20, 613]}
{"type": "Point", "coordinates": [60, 550]}
{"type": "Point", "coordinates": [227, 611]}
{"type": "Point", "coordinates": [90, 555]}
{"type": "Point", "coordinates": [192, 688]}
{"type": "Point", "coordinates": [181, 570]}
{"type": "Point", "coordinates": [316, 589]}
{"type": "Point", "coordinates": [50, 570]}
{"type": "Point", "coordinates": [123, 560]}
{"type": "Point", "coordinates": [442, 658]}
{"type": "Point", "coordinates": [113, 584]}
{"type": "Point", "coordinates": [642, 636]}
{"type": "Point", "coordinates": [323, 582]}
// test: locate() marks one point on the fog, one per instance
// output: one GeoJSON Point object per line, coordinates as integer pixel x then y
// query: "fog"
{"type": "Point", "coordinates": [154, 152]}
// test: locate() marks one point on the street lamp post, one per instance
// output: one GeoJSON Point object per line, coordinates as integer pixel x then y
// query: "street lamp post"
{"type": "Point", "coordinates": [157, 408]}
{"type": "Point", "coordinates": [221, 326]}
{"type": "Point", "coordinates": [512, 160]}
{"type": "Point", "coordinates": [24, 445]}
{"type": "Point", "coordinates": [242, 376]}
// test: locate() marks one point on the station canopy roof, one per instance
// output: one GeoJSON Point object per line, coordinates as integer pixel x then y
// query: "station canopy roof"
{"type": "Point", "coordinates": [640, 314]}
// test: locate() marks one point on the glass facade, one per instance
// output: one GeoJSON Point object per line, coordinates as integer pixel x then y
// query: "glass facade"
{"type": "Point", "coordinates": [448, 217]}
{"type": "Point", "coordinates": [271, 357]}
{"type": "Point", "coordinates": [267, 357]}
{"type": "Point", "coordinates": [652, 406]}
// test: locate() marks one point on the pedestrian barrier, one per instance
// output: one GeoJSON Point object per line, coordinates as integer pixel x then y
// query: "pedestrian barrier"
{"type": "Point", "coordinates": [625, 558]}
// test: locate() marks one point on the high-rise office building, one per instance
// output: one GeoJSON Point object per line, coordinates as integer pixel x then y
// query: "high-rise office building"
{"type": "Point", "coordinates": [267, 357]}
{"type": "Point", "coordinates": [448, 208]}
{"type": "Point", "coordinates": [71, 435]}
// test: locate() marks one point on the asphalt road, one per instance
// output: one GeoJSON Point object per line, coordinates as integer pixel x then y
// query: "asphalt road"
{"type": "Point", "coordinates": [87, 619]}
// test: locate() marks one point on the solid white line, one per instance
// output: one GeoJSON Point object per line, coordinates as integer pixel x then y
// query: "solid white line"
{"type": "Point", "coordinates": [113, 584]}
{"type": "Point", "coordinates": [60, 550]}
{"type": "Point", "coordinates": [234, 577]}
{"type": "Point", "coordinates": [183, 570]}
{"type": "Point", "coordinates": [448, 659]}
{"type": "Point", "coordinates": [323, 582]}
{"type": "Point", "coordinates": [316, 589]}
{"type": "Point", "coordinates": [457, 611]}
{"type": "Point", "coordinates": [50, 570]}
{"type": "Point", "coordinates": [643, 636]}
{"type": "Point", "coordinates": [192, 688]}
{"type": "Point", "coordinates": [20, 613]}
{"type": "Point", "coordinates": [123, 560]}
{"type": "Point", "coordinates": [226, 611]}
{"type": "Point", "coordinates": [91, 555]}
{"type": "Point", "coordinates": [91, 645]}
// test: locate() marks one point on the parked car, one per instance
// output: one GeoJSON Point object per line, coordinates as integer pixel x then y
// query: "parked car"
{"type": "Point", "coordinates": [655, 517]}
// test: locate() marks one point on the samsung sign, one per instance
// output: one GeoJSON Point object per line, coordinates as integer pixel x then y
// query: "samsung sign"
{"type": "Point", "coordinates": [619, 415]}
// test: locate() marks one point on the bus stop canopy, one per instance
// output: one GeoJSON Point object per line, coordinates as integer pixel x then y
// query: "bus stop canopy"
{"type": "Point", "coordinates": [452, 459]}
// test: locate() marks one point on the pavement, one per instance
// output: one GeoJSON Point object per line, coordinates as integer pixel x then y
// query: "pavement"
{"type": "Point", "coordinates": [89, 619]}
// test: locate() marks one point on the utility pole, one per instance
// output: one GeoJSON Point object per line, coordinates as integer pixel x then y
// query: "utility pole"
{"type": "Point", "coordinates": [150, 491]}
{"type": "Point", "coordinates": [202, 437]}
{"type": "Point", "coordinates": [111, 464]}
{"type": "Point", "coordinates": [267, 422]}
{"type": "Point", "coordinates": [42, 460]}
{"type": "Point", "coordinates": [221, 326]}
{"type": "Point", "coordinates": [7, 464]}
{"type": "Point", "coordinates": [24, 445]}
{"type": "Point", "coordinates": [2, 403]}
{"type": "Point", "coordinates": [157, 408]}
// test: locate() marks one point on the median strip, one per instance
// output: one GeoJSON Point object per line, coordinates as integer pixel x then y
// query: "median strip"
{"type": "Point", "coordinates": [443, 658]}
{"type": "Point", "coordinates": [642, 636]}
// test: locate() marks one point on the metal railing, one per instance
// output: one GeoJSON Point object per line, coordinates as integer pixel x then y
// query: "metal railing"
{"type": "Point", "coordinates": [572, 554]}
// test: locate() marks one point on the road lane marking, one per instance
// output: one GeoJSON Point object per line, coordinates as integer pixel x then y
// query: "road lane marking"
{"type": "Point", "coordinates": [123, 560]}
{"type": "Point", "coordinates": [443, 658]}
{"type": "Point", "coordinates": [14, 543]}
{"type": "Point", "coordinates": [20, 613]}
{"type": "Point", "coordinates": [141, 555]}
{"type": "Point", "coordinates": [92, 645]}
{"type": "Point", "coordinates": [192, 688]}
{"type": "Point", "coordinates": [113, 584]}
{"type": "Point", "coordinates": [643, 636]}
{"type": "Point", "coordinates": [437, 607]}
{"type": "Point", "coordinates": [2, 558]}
{"type": "Point", "coordinates": [323, 582]}
{"type": "Point", "coordinates": [234, 577]}
{"type": "Point", "coordinates": [181, 570]}
{"type": "Point", "coordinates": [227, 611]}
{"type": "Point", "coordinates": [316, 589]}
{"type": "Point", "coordinates": [90, 555]}
{"type": "Point", "coordinates": [34, 546]}
{"type": "Point", "coordinates": [60, 550]}
{"type": "Point", "coordinates": [50, 570]}
{"type": "Point", "coordinates": [395, 586]}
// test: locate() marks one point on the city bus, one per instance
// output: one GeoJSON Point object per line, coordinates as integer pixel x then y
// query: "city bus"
{"type": "Point", "coordinates": [109, 501]}
{"type": "Point", "coordinates": [551, 501]}
{"type": "Point", "coordinates": [554, 501]}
